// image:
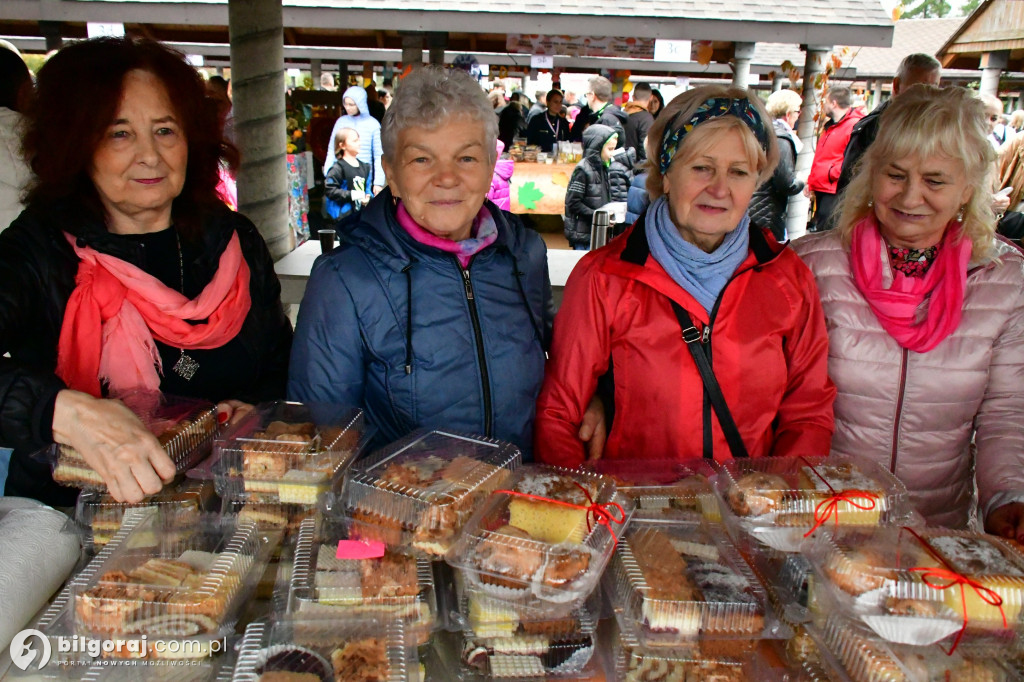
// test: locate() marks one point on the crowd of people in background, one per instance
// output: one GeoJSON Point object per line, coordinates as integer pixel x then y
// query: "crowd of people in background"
{"type": "Point", "coordinates": [895, 332]}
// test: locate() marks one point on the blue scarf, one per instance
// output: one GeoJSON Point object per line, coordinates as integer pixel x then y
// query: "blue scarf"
{"type": "Point", "coordinates": [703, 275]}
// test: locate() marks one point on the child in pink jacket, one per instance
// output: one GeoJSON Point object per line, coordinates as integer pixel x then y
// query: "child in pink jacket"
{"type": "Point", "coordinates": [500, 192]}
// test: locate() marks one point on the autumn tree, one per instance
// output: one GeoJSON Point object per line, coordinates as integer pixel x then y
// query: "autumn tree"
{"type": "Point", "coordinates": [928, 9]}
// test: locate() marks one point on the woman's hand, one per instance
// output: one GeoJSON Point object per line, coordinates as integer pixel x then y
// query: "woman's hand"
{"type": "Point", "coordinates": [230, 412]}
{"type": "Point", "coordinates": [1007, 521]}
{"type": "Point", "coordinates": [114, 442]}
{"type": "Point", "coordinates": [593, 430]}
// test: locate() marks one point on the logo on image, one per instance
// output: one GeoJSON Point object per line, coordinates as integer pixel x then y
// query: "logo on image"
{"type": "Point", "coordinates": [23, 655]}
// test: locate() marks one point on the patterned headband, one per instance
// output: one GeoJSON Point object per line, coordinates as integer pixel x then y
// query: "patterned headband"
{"type": "Point", "coordinates": [713, 108]}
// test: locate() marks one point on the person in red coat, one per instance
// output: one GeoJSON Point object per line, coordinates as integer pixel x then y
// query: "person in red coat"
{"type": "Point", "coordinates": [693, 267]}
{"type": "Point", "coordinates": [828, 156]}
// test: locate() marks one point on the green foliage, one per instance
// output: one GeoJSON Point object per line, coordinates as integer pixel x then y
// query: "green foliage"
{"type": "Point", "coordinates": [928, 9]}
{"type": "Point", "coordinates": [969, 7]}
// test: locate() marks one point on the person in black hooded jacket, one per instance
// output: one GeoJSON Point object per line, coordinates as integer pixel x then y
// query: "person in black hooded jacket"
{"type": "Point", "coordinates": [768, 206]}
{"type": "Point", "coordinates": [126, 150]}
{"type": "Point", "coordinates": [589, 187]}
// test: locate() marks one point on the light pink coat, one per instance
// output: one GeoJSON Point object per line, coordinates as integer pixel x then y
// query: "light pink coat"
{"type": "Point", "coordinates": [917, 414]}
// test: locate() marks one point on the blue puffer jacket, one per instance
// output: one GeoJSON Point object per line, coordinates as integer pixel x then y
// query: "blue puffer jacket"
{"type": "Point", "coordinates": [467, 354]}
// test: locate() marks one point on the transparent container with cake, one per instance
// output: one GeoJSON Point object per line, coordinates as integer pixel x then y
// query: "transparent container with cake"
{"type": "Point", "coordinates": [866, 657]}
{"type": "Point", "coordinates": [321, 651]}
{"type": "Point", "coordinates": [635, 662]}
{"type": "Point", "coordinates": [677, 585]}
{"type": "Point", "coordinates": [185, 428]}
{"type": "Point", "coordinates": [288, 452]}
{"type": "Point", "coordinates": [175, 589]}
{"type": "Point", "coordinates": [418, 492]}
{"type": "Point", "coordinates": [921, 586]}
{"type": "Point", "coordinates": [338, 574]}
{"type": "Point", "coordinates": [664, 487]}
{"type": "Point", "coordinates": [498, 639]}
{"type": "Point", "coordinates": [543, 541]}
{"type": "Point", "coordinates": [178, 507]}
{"type": "Point", "coordinates": [268, 512]}
{"type": "Point", "coordinates": [779, 501]}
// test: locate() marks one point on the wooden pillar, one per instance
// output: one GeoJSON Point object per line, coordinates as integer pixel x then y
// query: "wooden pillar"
{"type": "Point", "coordinates": [743, 53]}
{"type": "Point", "coordinates": [412, 49]}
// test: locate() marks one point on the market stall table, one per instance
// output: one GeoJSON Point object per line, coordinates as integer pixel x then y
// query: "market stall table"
{"type": "Point", "coordinates": [539, 188]}
{"type": "Point", "coordinates": [293, 270]}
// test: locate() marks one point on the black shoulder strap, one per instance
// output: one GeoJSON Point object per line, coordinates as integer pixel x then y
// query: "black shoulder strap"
{"type": "Point", "coordinates": [693, 342]}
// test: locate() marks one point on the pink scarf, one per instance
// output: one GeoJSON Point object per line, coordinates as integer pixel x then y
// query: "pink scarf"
{"type": "Point", "coordinates": [117, 310]}
{"type": "Point", "coordinates": [919, 312]}
{"type": "Point", "coordinates": [483, 234]}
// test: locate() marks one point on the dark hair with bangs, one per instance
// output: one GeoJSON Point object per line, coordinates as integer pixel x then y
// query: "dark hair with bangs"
{"type": "Point", "coordinates": [78, 93]}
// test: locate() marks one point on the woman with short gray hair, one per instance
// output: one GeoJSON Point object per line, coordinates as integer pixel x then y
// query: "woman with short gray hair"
{"type": "Point", "coordinates": [435, 310]}
{"type": "Point", "coordinates": [768, 207]}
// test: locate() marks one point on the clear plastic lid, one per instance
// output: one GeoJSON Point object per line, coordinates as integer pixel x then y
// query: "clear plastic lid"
{"type": "Point", "coordinates": [677, 584]}
{"type": "Point", "coordinates": [291, 451]}
{"type": "Point", "coordinates": [868, 658]}
{"type": "Point", "coordinates": [327, 651]}
{"type": "Point", "coordinates": [338, 576]}
{"type": "Point", "coordinates": [178, 508]}
{"type": "Point", "coordinates": [207, 670]}
{"type": "Point", "coordinates": [267, 512]}
{"type": "Point", "coordinates": [781, 500]}
{"type": "Point", "coordinates": [169, 587]}
{"type": "Point", "coordinates": [419, 491]}
{"type": "Point", "coordinates": [484, 617]}
{"type": "Point", "coordinates": [545, 539]}
{"type": "Point", "coordinates": [664, 487]}
{"type": "Point", "coordinates": [185, 428]}
{"type": "Point", "coordinates": [527, 656]}
{"type": "Point", "coordinates": [921, 586]}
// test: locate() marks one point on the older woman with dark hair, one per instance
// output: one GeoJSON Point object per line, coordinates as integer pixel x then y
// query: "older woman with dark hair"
{"type": "Point", "coordinates": [925, 311]}
{"type": "Point", "coordinates": [126, 271]}
{"type": "Point", "coordinates": [435, 309]}
{"type": "Point", "coordinates": [711, 330]}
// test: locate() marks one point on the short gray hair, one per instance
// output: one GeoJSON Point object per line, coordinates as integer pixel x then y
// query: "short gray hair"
{"type": "Point", "coordinates": [919, 61]}
{"type": "Point", "coordinates": [601, 87]}
{"type": "Point", "coordinates": [430, 97]}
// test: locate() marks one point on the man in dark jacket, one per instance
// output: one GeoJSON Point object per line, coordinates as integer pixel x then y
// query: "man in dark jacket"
{"type": "Point", "coordinates": [600, 109]}
{"type": "Point", "coordinates": [915, 68]}
{"type": "Point", "coordinates": [589, 187]}
{"type": "Point", "coordinates": [640, 120]}
{"type": "Point", "coordinates": [549, 127]}
{"type": "Point", "coordinates": [768, 206]}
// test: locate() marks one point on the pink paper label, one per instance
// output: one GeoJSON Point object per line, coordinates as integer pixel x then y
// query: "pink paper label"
{"type": "Point", "coordinates": [360, 549]}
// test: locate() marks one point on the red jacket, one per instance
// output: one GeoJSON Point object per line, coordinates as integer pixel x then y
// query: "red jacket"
{"type": "Point", "coordinates": [828, 155]}
{"type": "Point", "coordinates": [769, 351]}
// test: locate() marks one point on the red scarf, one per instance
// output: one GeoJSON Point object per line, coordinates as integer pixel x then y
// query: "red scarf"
{"type": "Point", "coordinates": [117, 310]}
{"type": "Point", "coordinates": [919, 312]}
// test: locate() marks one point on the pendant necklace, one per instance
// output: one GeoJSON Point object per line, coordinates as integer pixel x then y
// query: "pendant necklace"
{"type": "Point", "coordinates": [186, 366]}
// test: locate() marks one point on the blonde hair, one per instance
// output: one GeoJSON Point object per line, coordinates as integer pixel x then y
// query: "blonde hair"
{"type": "Point", "coordinates": [704, 135]}
{"type": "Point", "coordinates": [924, 121]}
{"type": "Point", "coordinates": [781, 102]}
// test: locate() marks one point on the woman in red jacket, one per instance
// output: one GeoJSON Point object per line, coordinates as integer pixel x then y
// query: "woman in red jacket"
{"type": "Point", "coordinates": [693, 283]}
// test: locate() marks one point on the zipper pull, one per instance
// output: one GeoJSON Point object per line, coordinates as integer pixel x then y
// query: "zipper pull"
{"type": "Point", "coordinates": [468, 283]}
{"type": "Point", "coordinates": [706, 335]}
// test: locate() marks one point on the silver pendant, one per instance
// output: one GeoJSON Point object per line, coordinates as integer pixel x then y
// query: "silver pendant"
{"type": "Point", "coordinates": [186, 367]}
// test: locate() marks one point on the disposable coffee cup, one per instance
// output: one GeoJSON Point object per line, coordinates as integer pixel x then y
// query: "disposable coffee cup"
{"type": "Point", "coordinates": [357, 195]}
{"type": "Point", "coordinates": [326, 240]}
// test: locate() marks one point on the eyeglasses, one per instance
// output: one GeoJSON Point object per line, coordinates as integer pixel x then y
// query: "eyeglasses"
{"type": "Point", "coordinates": [994, 118]}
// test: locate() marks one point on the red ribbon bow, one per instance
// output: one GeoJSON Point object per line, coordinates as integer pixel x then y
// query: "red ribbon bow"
{"type": "Point", "coordinates": [831, 506]}
{"type": "Point", "coordinates": [600, 512]}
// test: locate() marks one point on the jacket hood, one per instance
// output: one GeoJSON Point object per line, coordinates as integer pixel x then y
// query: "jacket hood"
{"type": "Point", "coordinates": [594, 138]}
{"type": "Point", "coordinates": [616, 112]}
{"type": "Point", "coordinates": [376, 229]}
{"type": "Point", "coordinates": [632, 107]}
{"type": "Point", "coordinates": [358, 96]}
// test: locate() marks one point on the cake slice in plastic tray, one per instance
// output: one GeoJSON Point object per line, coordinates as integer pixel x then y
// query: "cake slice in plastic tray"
{"type": "Point", "coordinates": [185, 427]}
{"type": "Point", "coordinates": [172, 588]}
{"type": "Point", "coordinates": [178, 506]}
{"type": "Point", "coordinates": [329, 651]}
{"type": "Point", "coordinates": [267, 511]}
{"type": "Point", "coordinates": [383, 585]}
{"type": "Point", "coordinates": [495, 638]}
{"type": "Point", "coordinates": [544, 540]}
{"type": "Point", "coordinates": [921, 586]}
{"type": "Point", "coordinates": [778, 501]}
{"type": "Point", "coordinates": [664, 487]}
{"type": "Point", "coordinates": [419, 491]}
{"type": "Point", "coordinates": [865, 657]}
{"type": "Point", "coordinates": [292, 452]}
{"type": "Point", "coordinates": [677, 584]}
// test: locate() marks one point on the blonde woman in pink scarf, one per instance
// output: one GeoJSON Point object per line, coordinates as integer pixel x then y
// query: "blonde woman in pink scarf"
{"type": "Point", "coordinates": [127, 271]}
{"type": "Point", "coordinates": [925, 311]}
